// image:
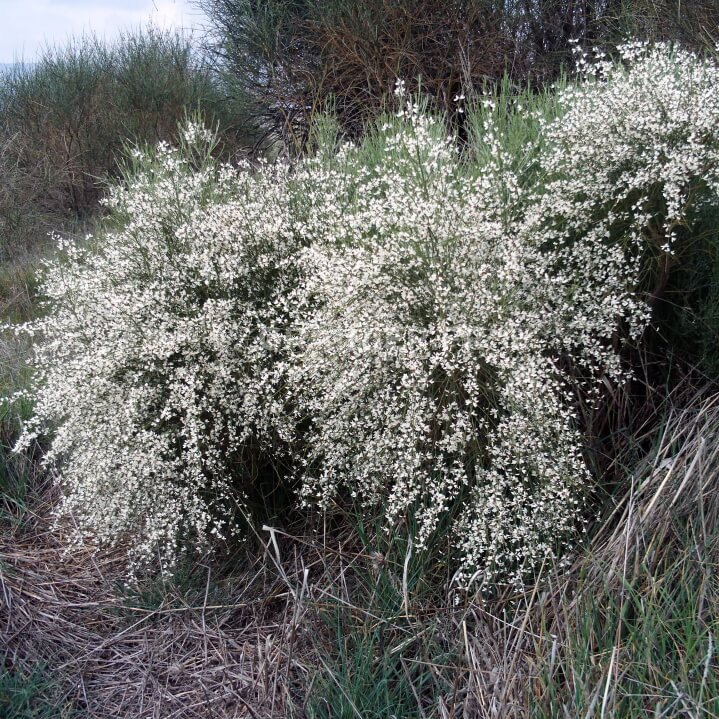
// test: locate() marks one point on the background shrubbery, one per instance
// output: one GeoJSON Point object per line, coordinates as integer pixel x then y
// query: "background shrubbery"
{"type": "Point", "coordinates": [65, 119]}
{"type": "Point", "coordinates": [289, 61]}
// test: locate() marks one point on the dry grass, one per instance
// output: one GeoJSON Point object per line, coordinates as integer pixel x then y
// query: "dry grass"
{"type": "Point", "coordinates": [64, 609]}
{"type": "Point", "coordinates": [319, 625]}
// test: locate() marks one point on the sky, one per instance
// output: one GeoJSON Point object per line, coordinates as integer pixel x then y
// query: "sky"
{"type": "Point", "coordinates": [28, 25]}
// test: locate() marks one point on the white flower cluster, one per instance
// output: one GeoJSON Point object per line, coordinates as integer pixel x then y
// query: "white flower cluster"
{"type": "Point", "coordinates": [411, 323]}
{"type": "Point", "coordinates": [155, 373]}
{"type": "Point", "coordinates": [454, 308]}
{"type": "Point", "coordinates": [427, 363]}
{"type": "Point", "coordinates": [634, 151]}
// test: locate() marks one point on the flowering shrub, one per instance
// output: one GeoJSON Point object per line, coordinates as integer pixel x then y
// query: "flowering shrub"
{"type": "Point", "coordinates": [159, 344]}
{"type": "Point", "coordinates": [413, 324]}
{"type": "Point", "coordinates": [630, 165]}
{"type": "Point", "coordinates": [457, 307]}
{"type": "Point", "coordinates": [428, 363]}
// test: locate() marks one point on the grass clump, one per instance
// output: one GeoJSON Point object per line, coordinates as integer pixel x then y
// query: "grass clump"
{"type": "Point", "coordinates": [632, 631]}
{"type": "Point", "coordinates": [29, 696]}
{"type": "Point", "coordinates": [381, 641]}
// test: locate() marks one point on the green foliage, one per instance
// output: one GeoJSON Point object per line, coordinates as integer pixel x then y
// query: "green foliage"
{"type": "Point", "coordinates": [381, 648]}
{"type": "Point", "coordinates": [520, 116]}
{"type": "Point", "coordinates": [687, 307]}
{"type": "Point", "coordinates": [647, 648]}
{"type": "Point", "coordinates": [17, 471]}
{"type": "Point", "coordinates": [64, 119]}
{"type": "Point", "coordinates": [367, 680]}
{"type": "Point", "coordinates": [16, 475]}
{"type": "Point", "coordinates": [289, 59]}
{"type": "Point", "coordinates": [29, 695]}
{"type": "Point", "coordinates": [631, 630]}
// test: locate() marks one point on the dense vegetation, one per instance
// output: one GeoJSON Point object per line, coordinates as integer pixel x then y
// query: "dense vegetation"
{"type": "Point", "coordinates": [66, 119]}
{"type": "Point", "coordinates": [418, 419]}
{"type": "Point", "coordinates": [291, 60]}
